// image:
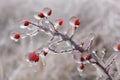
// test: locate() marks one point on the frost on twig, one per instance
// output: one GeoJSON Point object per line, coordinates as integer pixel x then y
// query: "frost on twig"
{"type": "Point", "coordinates": [82, 53]}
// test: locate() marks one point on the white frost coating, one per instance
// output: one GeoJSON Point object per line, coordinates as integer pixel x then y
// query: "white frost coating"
{"type": "Point", "coordinates": [99, 16]}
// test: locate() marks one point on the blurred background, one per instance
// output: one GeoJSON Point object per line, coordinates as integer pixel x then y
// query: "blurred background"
{"type": "Point", "coordinates": [99, 16]}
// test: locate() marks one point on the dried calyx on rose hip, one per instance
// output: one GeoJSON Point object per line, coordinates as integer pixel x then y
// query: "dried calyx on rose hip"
{"type": "Point", "coordinates": [118, 47]}
{"type": "Point", "coordinates": [33, 57]}
{"type": "Point", "coordinates": [41, 15]}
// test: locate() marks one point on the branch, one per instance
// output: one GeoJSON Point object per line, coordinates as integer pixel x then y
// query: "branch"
{"type": "Point", "coordinates": [65, 51]}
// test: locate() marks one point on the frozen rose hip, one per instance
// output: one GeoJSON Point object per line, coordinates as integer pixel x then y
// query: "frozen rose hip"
{"type": "Point", "coordinates": [82, 66]}
{"type": "Point", "coordinates": [88, 57]}
{"type": "Point", "coordinates": [17, 36]}
{"type": "Point", "coordinates": [77, 22]}
{"type": "Point", "coordinates": [118, 47]}
{"type": "Point", "coordinates": [41, 15]}
{"type": "Point", "coordinates": [82, 58]}
{"type": "Point", "coordinates": [33, 57]}
{"type": "Point", "coordinates": [26, 23]}
{"type": "Point", "coordinates": [60, 22]}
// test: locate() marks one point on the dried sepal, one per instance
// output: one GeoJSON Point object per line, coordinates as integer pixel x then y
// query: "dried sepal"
{"type": "Point", "coordinates": [88, 56]}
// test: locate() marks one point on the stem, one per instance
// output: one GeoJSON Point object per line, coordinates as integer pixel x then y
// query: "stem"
{"type": "Point", "coordinates": [104, 70]}
{"type": "Point", "coordinates": [76, 47]}
{"type": "Point", "coordinates": [64, 37]}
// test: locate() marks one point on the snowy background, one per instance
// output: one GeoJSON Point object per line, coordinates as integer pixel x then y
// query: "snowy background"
{"type": "Point", "coordinates": [99, 16]}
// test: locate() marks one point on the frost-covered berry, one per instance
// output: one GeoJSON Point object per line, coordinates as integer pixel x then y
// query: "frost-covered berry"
{"type": "Point", "coordinates": [60, 22]}
{"type": "Point", "coordinates": [49, 12]}
{"type": "Point", "coordinates": [26, 23]}
{"type": "Point", "coordinates": [33, 57]}
{"type": "Point", "coordinates": [82, 58]}
{"type": "Point", "coordinates": [88, 56]}
{"type": "Point", "coordinates": [82, 66]}
{"type": "Point", "coordinates": [41, 15]}
{"type": "Point", "coordinates": [17, 36]}
{"type": "Point", "coordinates": [45, 53]}
{"type": "Point", "coordinates": [77, 22]}
{"type": "Point", "coordinates": [118, 47]}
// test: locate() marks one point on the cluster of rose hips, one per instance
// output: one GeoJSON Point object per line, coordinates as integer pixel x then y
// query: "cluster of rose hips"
{"type": "Point", "coordinates": [34, 57]}
{"type": "Point", "coordinates": [81, 57]}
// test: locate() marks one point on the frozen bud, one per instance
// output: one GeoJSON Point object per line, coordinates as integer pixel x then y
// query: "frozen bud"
{"type": "Point", "coordinates": [47, 12]}
{"type": "Point", "coordinates": [82, 66]}
{"type": "Point", "coordinates": [33, 57]}
{"type": "Point", "coordinates": [15, 36]}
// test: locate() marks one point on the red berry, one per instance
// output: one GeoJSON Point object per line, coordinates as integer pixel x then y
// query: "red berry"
{"type": "Point", "coordinates": [33, 57]}
{"type": "Point", "coordinates": [36, 58]}
{"type": "Point", "coordinates": [77, 22]}
{"type": "Point", "coordinates": [45, 53]}
{"type": "Point", "coordinates": [82, 66]}
{"type": "Point", "coordinates": [88, 57]}
{"type": "Point", "coordinates": [26, 23]}
{"type": "Point", "coordinates": [49, 12]}
{"type": "Point", "coordinates": [82, 58]}
{"type": "Point", "coordinates": [41, 15]}
{"type": "Point", "coordinates": [118, 47]}
{"type": "Point", "coordinates": [17, 36]}
{"type": "Point", "coordinates": [60, 22]}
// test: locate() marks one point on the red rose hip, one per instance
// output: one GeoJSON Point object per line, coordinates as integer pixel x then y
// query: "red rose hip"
{"type": "Point", "coordinates": [17, 36]}
{"type": "Point", "coordinates": [26, 23]}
